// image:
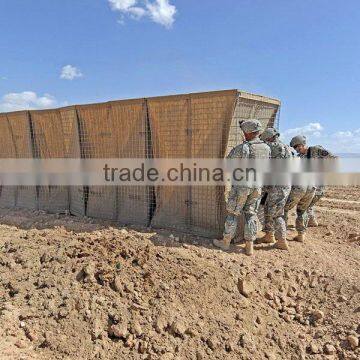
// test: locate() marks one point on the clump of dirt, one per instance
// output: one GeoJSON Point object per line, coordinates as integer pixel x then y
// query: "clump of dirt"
{"type": "Point", "coordinates": [73, 288]}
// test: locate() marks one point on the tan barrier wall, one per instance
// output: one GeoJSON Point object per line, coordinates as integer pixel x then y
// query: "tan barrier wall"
{"type": "Point", "coordinates": [181, 126]}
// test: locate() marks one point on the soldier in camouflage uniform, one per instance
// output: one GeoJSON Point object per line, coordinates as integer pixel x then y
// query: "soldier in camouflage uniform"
{"type": "Point", "coordinates": [275, 225]}
{"type": "Point", "coordinates": [301, 197]}
{"type": "Point", "coordinates": [313, 152]}
{"type": "Point", "coordinates": [244, 199]}
{"type": "Point", "coordinates": [304, 197]}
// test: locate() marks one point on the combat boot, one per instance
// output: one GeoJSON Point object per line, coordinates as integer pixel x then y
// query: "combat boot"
{"type": "Point", "coordinates": [312, 222]}
{"type": "Point", "coordinates": [249, 248]}
{"type": "Point", "coordinates": [223, 244]}
{"type": "Point", "coordinates": [281, 244]}
{"type": "Point", "coordinates": [300, 237]}
{"type": "Point", "coordinates": [268, 238]}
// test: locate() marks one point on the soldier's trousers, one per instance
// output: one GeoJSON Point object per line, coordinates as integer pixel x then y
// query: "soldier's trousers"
{"type": "Point", "coordinates": [319, 193]}
{"type": "Point", "coordinates": [301, 198]}
{"type": "Point", "coordinates": [242, 200]}
{"type": "Point", "coordinates": [274, 210]}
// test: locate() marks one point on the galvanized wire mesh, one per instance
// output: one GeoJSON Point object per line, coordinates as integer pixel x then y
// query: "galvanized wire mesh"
{"type": "Point", "coordinates": [203, 125]}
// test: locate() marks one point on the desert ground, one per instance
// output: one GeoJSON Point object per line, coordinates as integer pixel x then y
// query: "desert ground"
{"type": "Point", "coordinates": [74, 288]}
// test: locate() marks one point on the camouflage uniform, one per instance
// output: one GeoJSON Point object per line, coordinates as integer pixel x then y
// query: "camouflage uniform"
{"type": "Point", "coordinates": [302, 197]}
{"type": "Point", "coordinates": [243, 199]}
{"type": "Point", "coordinates": [317, 152]}
{"type": "Point", "coordinates": [305, 197]}
{"type": "Point", "coordinates": [277, 195]}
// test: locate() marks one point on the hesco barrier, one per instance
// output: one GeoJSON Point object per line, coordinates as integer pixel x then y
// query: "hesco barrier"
{"type": "Point", "coordinates": [201, 125]}
{"type": "Point", "coordinates": [55, 135]}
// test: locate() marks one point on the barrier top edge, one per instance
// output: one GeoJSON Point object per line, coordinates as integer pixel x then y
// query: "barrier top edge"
{"type": "Point", "coordinates": [233, 92]}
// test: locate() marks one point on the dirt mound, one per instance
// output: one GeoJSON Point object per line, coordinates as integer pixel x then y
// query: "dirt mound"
{"type": "Point", "coordinates": [73, 288]}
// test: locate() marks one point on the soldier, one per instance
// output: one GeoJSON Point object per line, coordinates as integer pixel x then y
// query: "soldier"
{"type": "Point", "coordinates": [244, 199]}
{"type": "Point", "coordinates": [301, 197]}
{"type": "Point", "coordinates": [275, 225]}
{"type": "Point", "coordinates": [311, 152]}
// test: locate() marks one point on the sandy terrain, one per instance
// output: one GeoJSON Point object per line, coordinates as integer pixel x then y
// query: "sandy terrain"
{"type": "Point", "coordinates": [80, 289]}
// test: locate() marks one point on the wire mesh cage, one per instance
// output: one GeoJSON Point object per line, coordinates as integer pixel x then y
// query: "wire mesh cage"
{"type": "Point", "coordinates": [201, 125]}
{"type": "Point", "coordinates": [55, 136]}
{"type": "Point", "coordinates": [97, 141]}
{"type": "Point", "coordinates": [116, 129]}
{"type": "Point", "coordinates": [190, 126]}
{"type": "Point", "coordinates": [131, 129]}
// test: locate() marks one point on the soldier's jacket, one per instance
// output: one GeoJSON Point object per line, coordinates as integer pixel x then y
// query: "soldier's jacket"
{"type": "Point", "coordinates": [253, 149]}
{"type": "Point", "coordinates": [318, 152]}
{"type": "Point", "coordinates": [279, 150]}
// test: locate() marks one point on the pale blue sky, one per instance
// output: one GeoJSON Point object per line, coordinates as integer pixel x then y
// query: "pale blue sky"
{"type": "Point", "coordinates": [304, 52]}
